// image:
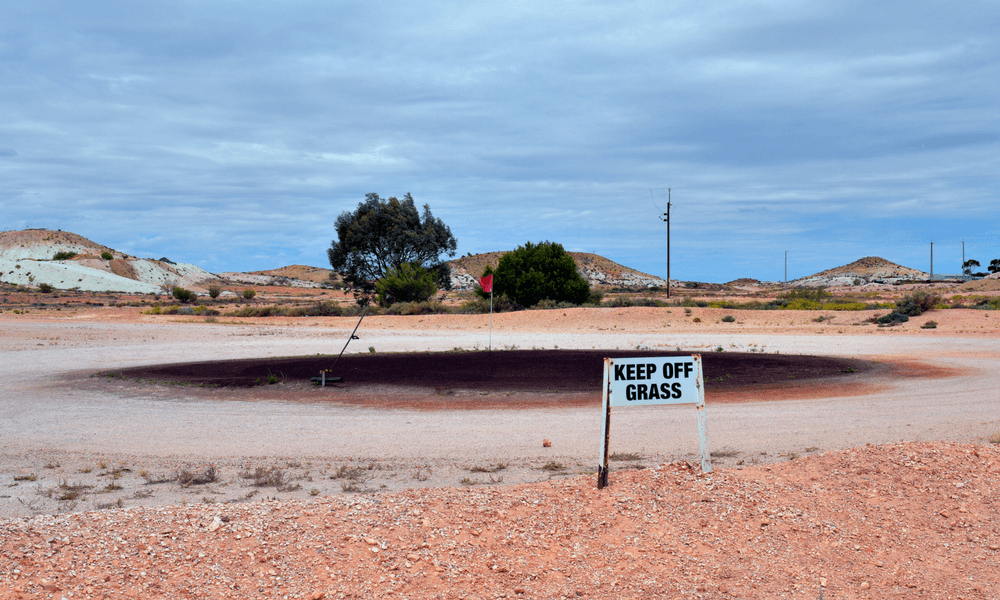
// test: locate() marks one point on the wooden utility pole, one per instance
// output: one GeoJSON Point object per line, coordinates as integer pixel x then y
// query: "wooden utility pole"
{"type": "Point", "coordinates": [666, 217]}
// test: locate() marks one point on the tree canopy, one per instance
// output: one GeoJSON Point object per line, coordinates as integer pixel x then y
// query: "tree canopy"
{"type": "Point", "coordinates": [535, 272]}
{"type": "Point", "coordinates": [383, 234]}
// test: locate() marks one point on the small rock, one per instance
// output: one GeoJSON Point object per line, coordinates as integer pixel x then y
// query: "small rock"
{"type": "Point", "coordinates": [822, 581]}
{"type": "Point", "coordinates": [546, 444]}
{"type": "Point", "coordinates": [317, 596]}
{"type": "Point", "coordinates": [944, 513]}
{"type": "Point", "coordinates": [215, 524]}
{"type": "Point", "coordinates": [865, 585]}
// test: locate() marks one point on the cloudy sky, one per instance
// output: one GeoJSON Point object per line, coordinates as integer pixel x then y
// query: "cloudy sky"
{"type": "Point", "coordinates": [231, 134]}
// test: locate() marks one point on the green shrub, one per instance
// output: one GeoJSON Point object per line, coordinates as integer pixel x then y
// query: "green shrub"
{"type": "Point", "coordinates": [417, 308]}
{"type": "Point", "coordinates": [626, 302]}
{"type": "Point", "coordinates": [407, 283]}
{"type": "Point", "coordinates": [249, 293]}
{"type": "Point", "coordinates": [892, 319]}
{"type": "Point", "coordinates": [45, 288]}
{"type": "Point", "coordinates": [917, 303]}
{"type": "Point", "coordinates": [107, 255]}
{"type": "Point", "coordinates": [552, 304]}
{"type": "Point", "coordinates": [845, 306]}
{"type": "Point", "coordinates": [929, 325]}
{"type": "Point", "coordinates": [214, 291]}
{"type": "Point", "coordinates": [183, 295]}
{"type": "Point", "coordinates": [988, 303]}
{"type": "Point", "coordinates": [802, 304]}
{"type": "Point", "coordinates": [535, 272]}
{"type": "Point", "coordinates": [501, 303]}
{"type": "Point", "coordinates": [728, 319]}
{"type": "Point", "coordinates": [817, 294]}
{"type": "Point", "coordinates": [63, 255]}
{"type": "Point", "coordinates": [320, 309]}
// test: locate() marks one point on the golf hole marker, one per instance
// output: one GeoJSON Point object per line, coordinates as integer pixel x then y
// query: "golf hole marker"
{"type": "Point", "coordinates": [650, 381]}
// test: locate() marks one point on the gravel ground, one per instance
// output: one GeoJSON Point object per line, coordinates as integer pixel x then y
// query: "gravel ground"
{"type": "Point", "coordinates": [154, 452]}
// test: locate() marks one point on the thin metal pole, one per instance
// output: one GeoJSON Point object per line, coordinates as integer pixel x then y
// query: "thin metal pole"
{"type": "Point", "coordinates": [351, 337]}
{"type": "Point", "coordinates": [932, 260]}
{"type": "Point", "coordinates": [786, 267]}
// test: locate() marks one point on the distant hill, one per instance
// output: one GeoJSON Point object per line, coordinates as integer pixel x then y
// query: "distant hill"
{"type": "Point", "coordinates": [27, 258]}
{"type": "Point", "coordinates": [292, 276]}
{"type": "Point", "coordinates": [870, 269]}
{"type": "Point", "coordinates": [597, 270]}
{"type": "Point", "coordinates": [301, 272]}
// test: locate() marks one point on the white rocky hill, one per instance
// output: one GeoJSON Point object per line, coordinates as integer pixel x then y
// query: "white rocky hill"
{"type": "Point", "coordinates": [870, 269]}
{"type": "Point", "coordinates": [29, 258]}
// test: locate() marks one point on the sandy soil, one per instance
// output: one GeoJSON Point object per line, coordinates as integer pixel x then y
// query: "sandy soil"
{"type": "Point", "coordinates": [228, 497]}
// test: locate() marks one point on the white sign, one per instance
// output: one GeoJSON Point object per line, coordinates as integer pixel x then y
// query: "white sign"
{"type": "Point", "coordinates": [652, 381]}
{"type": "Point", "coordinates": [659, 380]}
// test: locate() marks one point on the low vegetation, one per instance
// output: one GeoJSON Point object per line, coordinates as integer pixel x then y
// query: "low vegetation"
{"type": "Point", "coordinates": [187, 478]}
{"type": "Point", "coordinates": [407, 283]}
{"type": "Point", "coordinates": [183, 295]}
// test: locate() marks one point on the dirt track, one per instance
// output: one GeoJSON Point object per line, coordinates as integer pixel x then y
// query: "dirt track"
{"type": "Point", "coordinates": [920, 523]}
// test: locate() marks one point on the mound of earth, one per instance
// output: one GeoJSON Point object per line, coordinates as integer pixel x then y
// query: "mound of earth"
{"type": "Point", "coordinates": [301, 276]}
{"type": "Point", "coordinates": [870, 269]}
{"type": "Point", "coordinates": [913, 520]}
{"type": "Point", "coordinates": [27, 258]}
{"type": "Point", "coordinates": [499, 372]}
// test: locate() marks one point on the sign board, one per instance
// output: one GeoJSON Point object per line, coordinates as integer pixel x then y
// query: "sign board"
{"type": "Point", "coordinates": [659, 380]}
{"type": "Point", "coordinates": [649, 382]}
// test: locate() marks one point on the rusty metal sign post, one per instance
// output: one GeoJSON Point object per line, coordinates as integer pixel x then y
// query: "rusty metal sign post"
{"type": "Point", "coordinates": [652, 381]}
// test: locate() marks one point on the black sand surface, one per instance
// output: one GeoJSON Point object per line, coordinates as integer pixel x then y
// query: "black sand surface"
{"type": "Point", "coordinates": [542, 371]}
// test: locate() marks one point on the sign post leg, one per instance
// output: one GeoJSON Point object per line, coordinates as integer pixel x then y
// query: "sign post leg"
{"type": "Point", "coordinates": [602, 467]}
{"type": "Point", "coordinates": [706, 453]}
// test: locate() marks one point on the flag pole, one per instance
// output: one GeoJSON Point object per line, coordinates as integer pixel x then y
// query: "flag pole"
{"type": "Point", "coordinates": [486, 284]}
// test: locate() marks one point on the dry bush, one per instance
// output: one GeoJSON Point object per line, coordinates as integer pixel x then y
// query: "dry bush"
{"type": "Point", "coordinates": [188, 478]}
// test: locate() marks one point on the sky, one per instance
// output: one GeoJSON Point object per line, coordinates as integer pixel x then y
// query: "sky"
{"type": "Point", "coordinates": [232, 134]}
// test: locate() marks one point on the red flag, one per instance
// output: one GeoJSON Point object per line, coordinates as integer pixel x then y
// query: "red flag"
{"type": "Point", "coordinates": [487, 284]}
